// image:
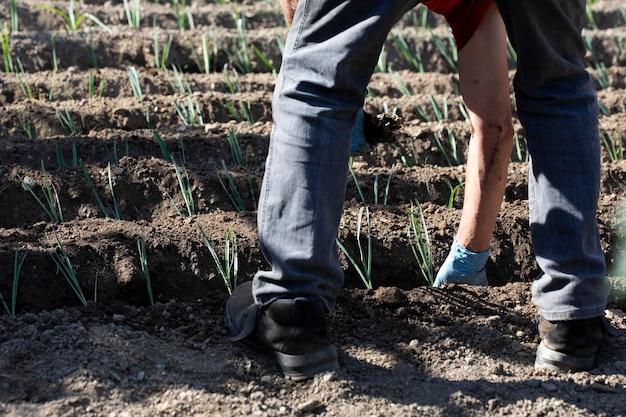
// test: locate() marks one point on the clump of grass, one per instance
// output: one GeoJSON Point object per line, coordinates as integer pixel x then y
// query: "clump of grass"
{"type": "Point", "coordinates": [143, 263]}
{"type": "Point", "coordinates": [230, 267]}
{"type": "Point", "coordinates": [364, 269]}
{"type": "Point", "coordinates": [420, 243]}
{"type": "Point", "coordinates": [62, 261]}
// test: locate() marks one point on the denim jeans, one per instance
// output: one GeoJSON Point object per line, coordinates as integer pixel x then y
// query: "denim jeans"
{"type": "Point", "coordinates": [557, 106]}
{"type": "Point", "coordinates": [330, 54]}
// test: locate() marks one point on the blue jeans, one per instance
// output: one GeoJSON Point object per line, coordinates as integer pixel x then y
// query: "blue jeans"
{"type": "Point", "coordinates": [557, 105]}
{"type": "Point", "coordinates": [330, 54]}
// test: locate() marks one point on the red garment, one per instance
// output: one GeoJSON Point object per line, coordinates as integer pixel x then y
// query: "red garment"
{"type": "Point", "coordinates": [464, 16]}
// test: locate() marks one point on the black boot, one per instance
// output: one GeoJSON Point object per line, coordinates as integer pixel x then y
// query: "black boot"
{"type": "Point", "coordinates": [293, 330]}
{"type": "Point", "coordinates": [569, 345]}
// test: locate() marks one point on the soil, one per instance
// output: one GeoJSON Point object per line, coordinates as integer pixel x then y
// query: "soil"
{"type": "Point", "coordinates": [406, 348]}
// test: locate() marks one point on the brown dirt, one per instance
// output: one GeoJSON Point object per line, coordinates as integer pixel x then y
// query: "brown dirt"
{"type": "Point", "coordinates": [406, 349]}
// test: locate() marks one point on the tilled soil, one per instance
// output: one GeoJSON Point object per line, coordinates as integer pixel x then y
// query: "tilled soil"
{"type": "Point", "coordinates": [71, 117]}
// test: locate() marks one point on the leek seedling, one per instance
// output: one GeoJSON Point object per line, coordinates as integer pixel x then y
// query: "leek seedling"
{"type": "Point", "coordinates": [21, 78]}
{"type": "Point", "coordinates": [164, 150]}
{"type": "Point", "coordinates": [453, 191]}
{"type": "Point", "coordinates": [420, 243]}
{"type": "Point", "coordinates": [191, 115]}
{"type": "Point", "coordinates": [5, 44]}
{"type": "Point", "coordinates": [522, 156]}
{"type": "Point", "coordinates": [143, 263]}
{"type": "Point", "coordinates": [268, 64]}
{"type": "Point", "coordinates": [27, 126]}
{"type": "Point", "coordinates": [52, 206]}
{"type": "Point", "coordinates": [94, 191]}
{"type": "Point", "coordinates": [449, 52]}
{"type": "Point", "coordinates": [115, 209]}
{"type": "Point", "coordinates": [65, 119]}
{"type": "Point", "coordinates": [133, 16]}
{"type": "Point", "coordinates": [185, 188]}
{"type": "Point", "coordinates": [73, 21]}
{"type": "Point", "coordinates": [134, 82]}
{"type": "Point", "coordinates": [613, 145]}
{"type": "Point", "coordinates": [160, 58]}
{"type": "Point", "coordinates": [179, 7]}
{"type": "Point", "coordinates": [413, 59]}
{"type": "Point", "coordinates": [356, 181]}
{"type": "Point", "coordinates": [365, 268]}
{"type": "Point", "coordinates": [15, 27]}
{"type": "Point", "coordinates": [230, 268]}
{"type": "Point", "coordinates": [63, 264]}
{"type": "Point", "coordinates": [17, 268]}
{"type": "Point", "coordinates": [231, 189]}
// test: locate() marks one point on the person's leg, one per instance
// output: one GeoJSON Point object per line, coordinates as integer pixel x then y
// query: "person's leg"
{"type": "Point", "coordinates": [330, 54]}
{"type": "Point", "coordinates": [484, 81]}
{"type": "Point", "coordinates": [557, 105]}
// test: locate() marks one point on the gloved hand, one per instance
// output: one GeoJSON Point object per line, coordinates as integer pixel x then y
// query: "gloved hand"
{"type": "Point", "coordinates": [463, 266]}
{"type": "Point", "coordinates": [359, 143]}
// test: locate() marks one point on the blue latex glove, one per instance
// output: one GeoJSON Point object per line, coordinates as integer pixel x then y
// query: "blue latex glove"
{"type": "Point", "coordinates": [359, 143]}
{"type": "Point", "coordinates": [463, 266]}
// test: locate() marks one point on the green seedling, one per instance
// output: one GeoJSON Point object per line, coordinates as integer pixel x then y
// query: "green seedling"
{"type": "Point", "coordinates": [55, 62]}
{"type": "Point", "coordinates": [134, 82]}
{"type": "Point", "coordinates": [449, 51]}
{"type": "Point", "coordinates": [143, 263]}
{"type": "Point", "coordinates": [184, 184]}
{"type": "Point", "coordinates": [64, 265]}
{"type": "Point", "coordinates": [364, 269]}
{"type": "Point", "coordinates": [356, 181]}
{"type": "Point", "coordinates": [106, 210]}
{"type": "Point", "coordinates": [231, 190]}
{"type": "Point", "coordinates": [52, 206]}
{"type": "Point", "coordinates": [386, 194]}
{"type": "Point", "coordinates": [27, 125]}
{"type": "Point", "coordinates": [453, 191]}
{"type": "Point", "coordinates": [413, 58]}
{"type": "Point", "coordinates": [72, 20]}
{"type": "Point", "coordinates": [613, 144]}
{"type": "Point", "coordinates": [164, 150]}
{"type": "Point", "coordinates": [239, 160]}
{"type": "Point", "coordinates": [420, 243]}
{"type": "Point", "coordinates": [66, 121]}
{"type": "Point", "coordinates": [5, 44]}
{"type": "Point", "coordinates": [452, 159]}
{"type": "Point", "coordinates": [15, 27]}
{"type": "Point", "coordinates": [230, 268]}
{"type": "Point", "coordinates": [191, 115]}
{"type": "Point", "coordinates": [18, 262]}
{"type": "Point", "coordinates": [161, 57]}
{"type": "Point", "coordinates": [133, 14]}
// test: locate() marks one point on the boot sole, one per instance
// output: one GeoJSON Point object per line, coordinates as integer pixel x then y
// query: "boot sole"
{"type": "Point", "coordinates": [551, 359]}
{"type": "Point", "coordinates": [304, 366]}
